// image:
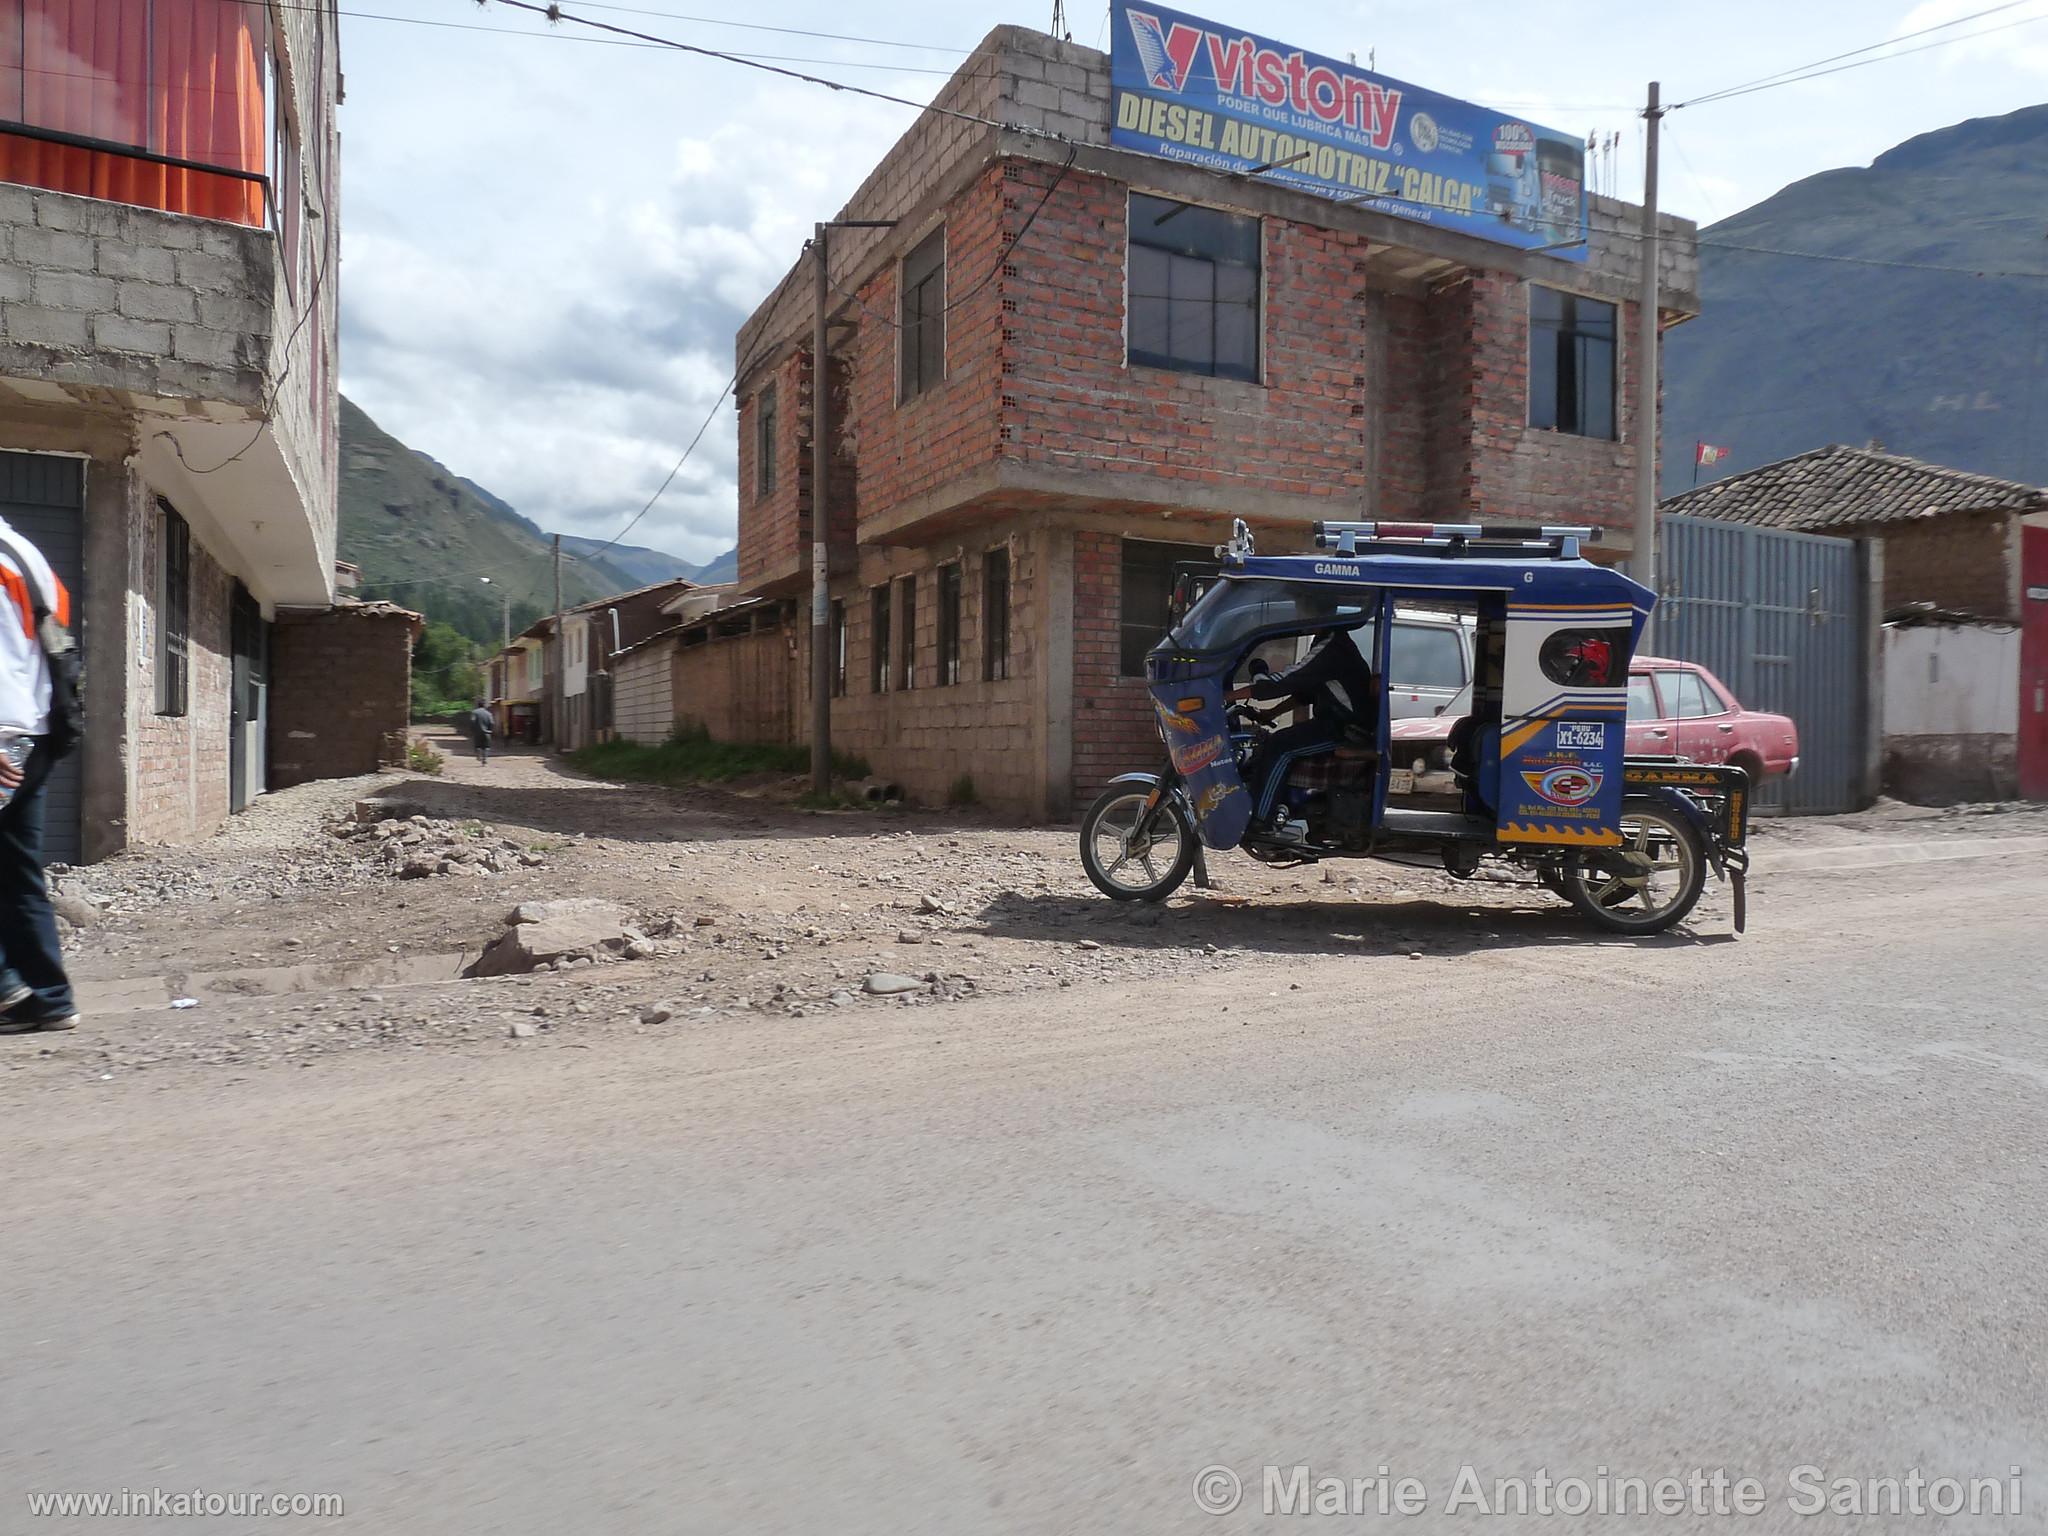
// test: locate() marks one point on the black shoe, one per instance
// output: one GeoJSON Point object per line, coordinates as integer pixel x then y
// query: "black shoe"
{"type": "Point", "coordinates": [29, 1024]}
{"type": "Point", "coordinates": [13, 998]}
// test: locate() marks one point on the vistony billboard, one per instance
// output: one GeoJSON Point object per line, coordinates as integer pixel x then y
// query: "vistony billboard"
{"type": "Point", "coordinates": [1188, 89]}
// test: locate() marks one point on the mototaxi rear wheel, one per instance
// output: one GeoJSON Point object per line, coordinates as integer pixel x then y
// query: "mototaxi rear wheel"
{"type": "Point", "coordinates": [1132, 854]}
{"type": "Point", "coordinates": [1651, 881]}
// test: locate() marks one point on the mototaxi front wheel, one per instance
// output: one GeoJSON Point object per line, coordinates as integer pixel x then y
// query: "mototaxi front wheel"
{"type": "Point", "coordinates": [1133, 848]}
{"type": "Point", "coordinates": [1647, 883]}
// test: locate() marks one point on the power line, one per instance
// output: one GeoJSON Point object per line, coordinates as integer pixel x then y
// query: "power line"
{"type": "Point", "coordinates": [760, 26]}
{"type": "Point", "coordinates": [1873, 422]}
{"type": "Point", "coordinates": [1814, 71]}
{"type": "Point", "coordinates": [995, 267]}
{"type": "Point", "coordinates": [555, 13]}
{"type": "Point", "coordinates": [604, 42]}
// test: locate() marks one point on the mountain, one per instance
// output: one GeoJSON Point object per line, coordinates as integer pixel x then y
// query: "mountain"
{"type": "Point", "coordinates": [1791, 353]}
{"type": "Point", "coordinates": [725, 568]}
{"type": "Point", "coordinates": [632, 565]}
{"type": "Point", "coordinates": [423, 535]}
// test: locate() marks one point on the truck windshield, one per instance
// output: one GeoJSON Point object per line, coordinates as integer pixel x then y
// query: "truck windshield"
{"type": "Point", "coordinates": [1236, 608]}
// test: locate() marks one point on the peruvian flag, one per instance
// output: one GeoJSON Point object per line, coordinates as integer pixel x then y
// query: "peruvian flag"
{"type": "Point", "coordinates": [1707, 453]}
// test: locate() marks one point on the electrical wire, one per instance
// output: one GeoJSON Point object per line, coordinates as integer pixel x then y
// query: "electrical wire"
{"type": "Point", "coordinates": [995, 267]}
{"type": "Point", "coordinates": [555, 13]}
{"type": "Point", "coordinates": [760, 26]}
{"type": "Point", "coordinates": [1813, 70]}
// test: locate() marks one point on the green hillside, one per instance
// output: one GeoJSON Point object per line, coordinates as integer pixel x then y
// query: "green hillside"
{"type": "Point", "coordinates": [1792, 353]}
{"type": "Point", "coordinates": [423, 537]}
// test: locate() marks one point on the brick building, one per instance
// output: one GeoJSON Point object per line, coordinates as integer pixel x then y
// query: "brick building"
{"type": "Point", "coordinates": [168, 264]}
{"type": "Point", "coordinates": [1951, 538]}
{"type": "Point", "coordinates": [1026, 436]}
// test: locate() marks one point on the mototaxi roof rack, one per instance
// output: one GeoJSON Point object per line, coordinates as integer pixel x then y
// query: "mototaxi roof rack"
{"type": "Point", "coordinates": [1456, 539]}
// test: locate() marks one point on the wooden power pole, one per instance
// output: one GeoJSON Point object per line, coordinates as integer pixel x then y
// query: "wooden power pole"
{"type": "Point", "coordinates": [1643, 562]}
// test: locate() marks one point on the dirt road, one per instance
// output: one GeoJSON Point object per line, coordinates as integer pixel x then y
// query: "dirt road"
{"type": "Point", "coordinates": [1412, 1177]}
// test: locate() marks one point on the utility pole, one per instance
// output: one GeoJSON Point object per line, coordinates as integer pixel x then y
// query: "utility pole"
{"type": "Point", "coordinates": [1643, 563]}
{"type": "Point", "coordinates": [821, 525]}
{"type": "Point", "coordinates": [822, 659]}
{"type": "Point", "coordinates": [555, 707]}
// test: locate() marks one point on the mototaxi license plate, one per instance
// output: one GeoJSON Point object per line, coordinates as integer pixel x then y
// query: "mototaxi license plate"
{"type": "Point", "coordinates": [1401, 781]}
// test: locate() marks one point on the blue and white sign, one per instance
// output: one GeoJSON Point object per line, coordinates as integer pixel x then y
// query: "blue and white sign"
{"type": "Point", "coordinates": [1187, 89]}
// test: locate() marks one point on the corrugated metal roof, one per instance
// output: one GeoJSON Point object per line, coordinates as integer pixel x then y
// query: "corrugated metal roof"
{"type": "Point", "coordinates": [1841, 487]}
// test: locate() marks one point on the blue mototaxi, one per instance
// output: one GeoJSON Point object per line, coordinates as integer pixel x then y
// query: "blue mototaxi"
{"type": "Point", "coordinates": [1544, 783]}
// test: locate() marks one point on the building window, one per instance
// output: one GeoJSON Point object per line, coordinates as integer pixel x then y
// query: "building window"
{"type": "Point", "coordinates": [995, 615]}
{"type": "Point", "coordinates": [764, 442]}
{"type": "Point", "coordinates": [838, 648]}
{"type": "Point", "coordinates": [949, 625]}
{"type": "Point", "coordinates": [185, 80]}
{"type": "Point", "coordinates": [924, 316]}
{"type": "Point", "coordinates": [1194, 280]}
{"type": "Point", "coordinates": [1571, 363]}
{"type": "Point", "coordinates": [1147, 596]}
{"type": "Point", "coordinates": [173, 611]}
{"type": "Point", "coordinates": [906, 624]}
{"type": "Point", "coordinates": [878, 639]}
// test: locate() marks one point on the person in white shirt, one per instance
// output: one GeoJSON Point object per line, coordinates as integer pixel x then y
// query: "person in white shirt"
{"type": "Point", "coordinates": [35, 993]}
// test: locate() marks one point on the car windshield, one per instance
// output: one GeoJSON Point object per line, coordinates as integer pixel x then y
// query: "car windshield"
{"type": "Point", "coordinates": [1235, 609]}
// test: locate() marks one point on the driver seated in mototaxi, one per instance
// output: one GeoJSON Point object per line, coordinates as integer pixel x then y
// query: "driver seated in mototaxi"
{"type": "Point", "coordinates": [1338, 681]}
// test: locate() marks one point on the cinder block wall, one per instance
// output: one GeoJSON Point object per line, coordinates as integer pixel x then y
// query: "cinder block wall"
{"type": "Point", "coordinates": [180, 762]}
{"type": "Point", "coordinates": [932, 734]}
{"type": "Point", "coordinates": [643, 693]}
{"type": "Point", "coordinates": [318, 730]}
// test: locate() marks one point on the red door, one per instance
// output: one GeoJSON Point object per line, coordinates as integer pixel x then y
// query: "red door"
{"type": "Point", "coordinates": [2034, 664]}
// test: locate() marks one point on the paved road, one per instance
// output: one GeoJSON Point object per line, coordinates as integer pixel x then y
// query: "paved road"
{"type": "Point", "coordinates": [1030, 1266]}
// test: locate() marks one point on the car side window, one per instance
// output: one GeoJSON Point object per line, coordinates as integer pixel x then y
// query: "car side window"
{"type": "Point", "coordinates": [1425, 656]}
{"type": "Point", "coordinates": [1692, 698]}
{"type": "Point", "coordinates": [1642, 698]}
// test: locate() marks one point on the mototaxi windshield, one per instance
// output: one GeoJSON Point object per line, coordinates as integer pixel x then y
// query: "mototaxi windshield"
{"type": "Point", "coordinates": [1237, 608]}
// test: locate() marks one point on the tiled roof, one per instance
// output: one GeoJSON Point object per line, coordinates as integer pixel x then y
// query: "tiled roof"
{"type": "Point", "coordinates": [1838, 487]}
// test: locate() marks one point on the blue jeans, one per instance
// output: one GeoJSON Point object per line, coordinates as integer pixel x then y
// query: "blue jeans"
{"type": "Point", "coordinates": [29, 952]}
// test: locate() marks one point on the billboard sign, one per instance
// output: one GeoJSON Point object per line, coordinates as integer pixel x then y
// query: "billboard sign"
{"type": "Point", "coordinates": [1190, 90]}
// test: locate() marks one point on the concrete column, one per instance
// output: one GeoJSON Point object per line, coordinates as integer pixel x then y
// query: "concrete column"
{"type": "Point", "coordinates": [1870, 562]}
{"type": "Point", "coordinates": [1055, 620]}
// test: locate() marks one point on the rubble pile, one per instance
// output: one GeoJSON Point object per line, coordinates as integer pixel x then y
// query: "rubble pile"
{"type": "Point", "coordinates": [419, 847]}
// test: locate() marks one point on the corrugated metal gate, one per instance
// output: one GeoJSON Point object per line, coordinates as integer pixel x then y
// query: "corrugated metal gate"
{"type": "Point", "coordinates": [1779, 618]}
{"type": "Point", "coordinates": [43, 499]}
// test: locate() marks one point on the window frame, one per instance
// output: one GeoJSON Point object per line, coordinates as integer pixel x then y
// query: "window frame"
{"type": "Point", "coordinates": [1255, 373]}
{"type": "Point", "coordinates": [1566, 328]}
{"type": "Point", "coordinates": [1183, 554]}
{"type": "Point", "coordinates": [921, 267]}
{"type": "Point", "coordinates": [173, 611]}
{"type": "Point", "coordinates": [947, 619]}
{"type": "Point", "coordinates": [906, 623]}
{"type": "Point", "coordinates": [767, 423]}
{"type": "Point", "coordinates": [879, 638]}
{"type": "Point", "coordinates": [995, 615]}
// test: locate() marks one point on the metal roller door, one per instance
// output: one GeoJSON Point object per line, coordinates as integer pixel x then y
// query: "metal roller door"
{"type": "Point", "coordinates": [1778, 617]}
{"type": "Point", "coordinates": [43, 499]}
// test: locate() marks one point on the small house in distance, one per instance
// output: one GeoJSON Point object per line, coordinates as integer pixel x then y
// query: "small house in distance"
{"type": "Point", "coordinates": [1953, 553]}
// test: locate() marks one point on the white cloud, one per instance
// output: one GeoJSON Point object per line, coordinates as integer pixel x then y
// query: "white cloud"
{"type": "Point", "coordinates": [549, 246]}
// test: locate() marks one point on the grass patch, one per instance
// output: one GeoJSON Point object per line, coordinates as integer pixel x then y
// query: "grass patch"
{"type": "Point", "coordinates": [963, 792]}
{"type": "Point", "coordinates": [691, 757]}
{"type": "Point", "coordinates": [422, 758]}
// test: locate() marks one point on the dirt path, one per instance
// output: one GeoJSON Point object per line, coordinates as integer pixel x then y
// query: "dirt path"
{"type": "Point", "coordinates": [297, 946]}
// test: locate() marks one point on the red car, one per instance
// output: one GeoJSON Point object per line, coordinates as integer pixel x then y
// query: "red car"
{"type": "Point", "coordinates": [1675, 709]}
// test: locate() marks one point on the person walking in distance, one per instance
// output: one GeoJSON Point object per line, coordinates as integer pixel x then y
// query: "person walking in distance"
{"type": "Point", "coordinates": [481, 726]}
{"type": "Point", "coordinates": [39, 723]}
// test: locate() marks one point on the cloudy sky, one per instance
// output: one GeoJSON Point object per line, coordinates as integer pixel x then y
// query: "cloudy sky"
{"type": "Point", "coordinates": [548, 243]}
